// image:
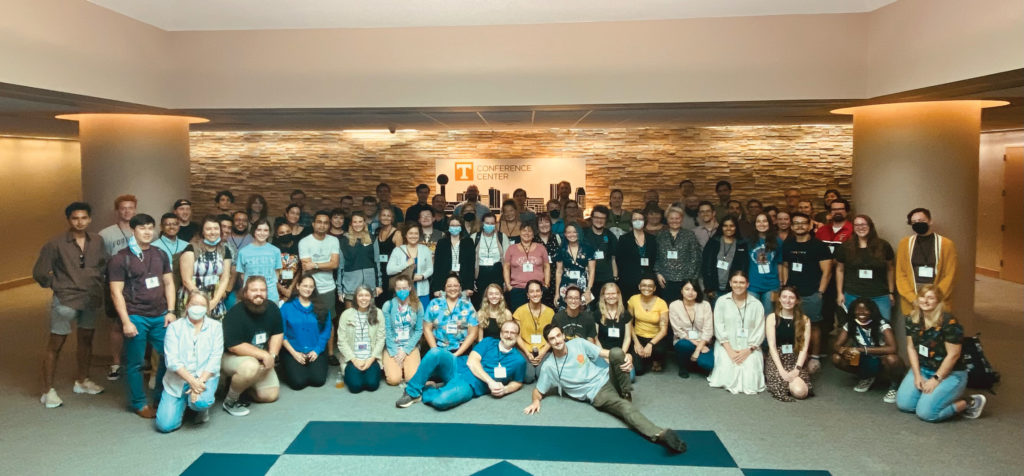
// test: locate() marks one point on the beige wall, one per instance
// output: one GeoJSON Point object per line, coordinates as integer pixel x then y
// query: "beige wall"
{"type": "Point", "coordinates": [40, 178]}
{"type": "Point", "coordinates": [990, 197]}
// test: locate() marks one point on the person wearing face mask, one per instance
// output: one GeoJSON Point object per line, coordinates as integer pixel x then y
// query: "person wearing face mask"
{"type": "Point", "coordinates": [206, 267]}
{"type": "Point", "coordinates": [635, 254]}
{"type": "Point", "coordinates": [924, 258]}
{"type": "Point", "coordinates": [260, 258]}
{"type": "Point", "coordinates": [454, 254]}
{"type": "Point", "coordinates": [866, 346]}
{"type": "Point", "coordinates": [554, 210]}
{"type": "Point", "coordinates": [192, 348]}
{"type": "Point", "coordinates": [403, 324]}
{"type": "Point", "coordinates": [492, 367]}
{"type": "Point", "coordinates": [253, 336]}
{"type": "Point", "coordinates": [289, 247]}
{"type": "Point", "coordinates": [472, 203]}
{"type": "Point", "coordinates": [723, 255]}
{"type": "Point", "coordinates": [490, 246]}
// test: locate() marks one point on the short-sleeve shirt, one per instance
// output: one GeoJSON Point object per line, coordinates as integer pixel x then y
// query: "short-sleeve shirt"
{"type": "Point", "coordinates": [241, 327]}
{"type": "Point", "coordinates": [516, 257]}
{"type": "Point", "coordinates": [144, 293]}
{"type": "Point", "coordinates": [530, 325]}
{"type": "Point", "coordinates": [115, 239]}
{"type": "Point", "coordinates": [574, 270]}
{"type": "Point", "coordinates": [604, 246]}
{"type": "Point", "coordinates": [450, 325]}
{"type": "Point", "coordinates": [803, 261]}
{"type": "Point", "coordinates": [580, 374]}
{"type": "Point", "coordinates": [764, 266]}
{"type": "Point", "coordinates": [646, 324]}
{"type": "Point", "coordinates": [256, 260]}
{"type": "Point", "coordinates": [580, 326]}
{"type": "Point", "coordinates": [864, 337]}
{"type": "Point", "coordinates": [934, 342]}
{"type": "Point", "coordinates": [865, 274]}
{"type": "Point", "coordinates": [605, 338]}
{"type": "Point", "coordinates": [491, 357]}
{"type": "Point", "coordinates": [320, 251]}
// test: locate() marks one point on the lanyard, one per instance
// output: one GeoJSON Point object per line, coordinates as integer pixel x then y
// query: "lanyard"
{"type": "Point", "coordinates": [177, 244]}
{"type": "Point", "coordinates": [568, 249]}
{"type": "Point", "coordinates": [232, 238]}
{"type": "Point", "coordinates": [693, 317]}
{"type": "Point", "coordinates": [864, 337]}
{"type": "Point", "coordinates": [536, 318]}
{"type": "Point", "coordinates": [743, 310]}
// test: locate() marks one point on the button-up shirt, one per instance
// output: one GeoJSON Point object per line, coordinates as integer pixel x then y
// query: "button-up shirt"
{"type": "Point", "coordinates": [74, 274]}
{"type": "Point", "coordinates": [196, 353]}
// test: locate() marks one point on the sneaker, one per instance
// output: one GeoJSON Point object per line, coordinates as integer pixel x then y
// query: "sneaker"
{"type": "Point", "coordinates": [683, 373]}
{"type": "Point", "coordinates": [203, 416]}
{"type": "Point", "coordinates": [50, 399]}
{"type": "Point", "coordinates": [88, 387]}
{"type": "Point", "coordinates": [864, 385]}
{"type": "Point", "coordinates": [114, 373]}
{"type": "Point", "coordinates": [406, 400]}
{"type": "Point", "coordinates": [814, 365]}
{"type": "Point", "coordinates": [975, 406]}
{"type": "Point", "coordinates": [671, 440]}
{"type": "Point", "coordinates": [235, 408]}
{"type": "Point", "coordinates": [890, 396]}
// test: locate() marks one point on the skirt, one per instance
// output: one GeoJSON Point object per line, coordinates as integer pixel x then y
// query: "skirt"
{"type": "Point", "coordinates": [778, 387]}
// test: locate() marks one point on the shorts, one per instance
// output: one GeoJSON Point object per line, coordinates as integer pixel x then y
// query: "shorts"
{"type": "Point", "coordinates": [61, 317]}
{"type": "Point", "coordinates": [811, 306]}
{"type": "Point", "coordinates": [230, 363]}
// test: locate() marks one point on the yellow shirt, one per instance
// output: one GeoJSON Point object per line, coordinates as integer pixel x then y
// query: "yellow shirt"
{"type": "Point", "coordinates": [531, 327]}
{"type": "Point", "coordinates": [646, 323]}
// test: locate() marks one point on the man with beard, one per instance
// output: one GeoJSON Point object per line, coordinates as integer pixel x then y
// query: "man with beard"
{"type": "Point", "coordinates": [807, 265]}
{"type": "Point", "coordinates": [252, 340]}
{"type": "Point", "coordinates": [833, 234]}
{"type": "Point", "coordinates": [494, 366]}
{"type": "Point", "coordinates": [577, 369]}
{"type": "Point", "coordinates": [239, 236]}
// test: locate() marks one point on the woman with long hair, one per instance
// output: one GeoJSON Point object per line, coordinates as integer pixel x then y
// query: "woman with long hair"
{"type": "Point", "coordinates": [292, 215]}
{"type": "Point", "coordinates": [739, 331]}
{"type": "Point", "coordinates": [492, 313]}
{"type": "Point", "coordinates": [937, 376]}
{"type": "Point", "coordinates": [692, 329]}
{"type": "Point", "coordinates": [206, 267]}
{"type": "Point", "coordinates": [256, 207]}
{"type": "Point", "coordinates": [635, 255]}
{"type": "Point", "coordinates": [788, 332]}
{"type": "Point", "coordinates": [388, 238]}
{"type": "Point", "coordinates": [575, 265]}
{"type": "Point", "coordinates": [359, 256]}
{"type": "Point", "coordinates": [615, 325]}
{"type": "Point", "coordinates": [361, 335]}
{"type": "Point", "coordinates": [765, 259]}
{"type": "Point", "coordinates": [403, 318]}
{"type": "Point", "coordinates": [454, 254]}
{"type": "Point", "coordinates": [552, 244]}
{"type": "Point", "coordinates": [865, 268]}
{"type": "Point", "coordinates": [415, 255]}
{"type": "Point", "coordinates": [723, 255]}
{"type": "Point", "coordinates": [306, 322]}
{"type": "Point", "coordinates": [260, 258]}
{"type": "Point", "coordinates": [866, 346]}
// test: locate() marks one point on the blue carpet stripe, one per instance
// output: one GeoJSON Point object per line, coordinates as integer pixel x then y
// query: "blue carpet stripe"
{"type": "Point", "coordinates": [219, 464]}
{"type": "Point", "coordinates": [503, 468]}
{"type": "Point", "coordinates": [595, 445]}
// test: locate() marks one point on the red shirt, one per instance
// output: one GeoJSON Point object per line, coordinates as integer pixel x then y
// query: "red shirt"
{"type": "Point", "coordinates": [825, 233]}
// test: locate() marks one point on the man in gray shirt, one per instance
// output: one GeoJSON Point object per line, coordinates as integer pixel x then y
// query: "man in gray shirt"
{"type": "Point", "coordinates": [115, 238]}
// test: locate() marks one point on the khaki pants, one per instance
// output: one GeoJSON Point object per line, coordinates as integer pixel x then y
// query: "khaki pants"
{"type": "Point", "coordinates": [393, 374]}
{"type": "Point", "coordinates": [610, 398]}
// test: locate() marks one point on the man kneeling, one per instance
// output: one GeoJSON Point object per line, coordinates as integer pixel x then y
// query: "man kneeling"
{"type": "Point", "coordinates": [252, 339]}
{"type": "Point", "coordinates": [578, 369]}
{"type": "Point", "coordinates": [494, 366]}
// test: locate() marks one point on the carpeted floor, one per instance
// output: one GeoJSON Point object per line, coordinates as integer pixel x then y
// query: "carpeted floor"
{"type": "Point", "coordinates": [838, 430]}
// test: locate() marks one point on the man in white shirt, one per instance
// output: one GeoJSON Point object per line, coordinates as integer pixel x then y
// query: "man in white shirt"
{"type": "Point", "coordinates": [319, 254]}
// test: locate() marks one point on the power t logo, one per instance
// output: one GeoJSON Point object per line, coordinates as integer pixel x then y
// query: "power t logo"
{"type": "Point", "coordinates": [463, 171]}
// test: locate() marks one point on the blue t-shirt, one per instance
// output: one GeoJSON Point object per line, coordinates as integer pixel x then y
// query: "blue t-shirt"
{"type": "Point", "coordinates": [491, 357]}
{"type": "Point", "coordinates": [764, 266]}
{"type": "Point", "coordinates": [450, 325]}
{"type": "Point", "coordinates": [254, 260]}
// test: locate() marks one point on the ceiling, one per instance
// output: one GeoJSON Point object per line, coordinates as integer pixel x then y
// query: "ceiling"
{"type": "Point", "coordinates": [189, 15]}
{"type": "Point", "coordinates": [30, 112]}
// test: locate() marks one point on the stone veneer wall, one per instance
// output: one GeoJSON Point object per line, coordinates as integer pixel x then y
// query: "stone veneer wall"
{"type": "Point", "coordinates": [760, 161]}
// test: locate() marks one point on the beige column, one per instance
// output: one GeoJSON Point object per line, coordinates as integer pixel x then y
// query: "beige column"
{"type": "Point", "coordinates": [922, 154]}
{"type": "Point", "coordinates": [144, 155]}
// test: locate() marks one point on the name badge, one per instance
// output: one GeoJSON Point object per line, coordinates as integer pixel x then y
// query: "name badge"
{"type": "Point", "coordinates": [922, 350]}
{"type": "Point", "coordinates": [452, 328]}
{"type": "Point", "coordinates": [383, 258]}
{"type": "Point", "coordinates": [259, 339]}
{"type": "Point", "coordinates": [152, 282]}
{"type": "Point", "coordinates": [672, 254]}
{"type": "Point", "coordinates": [403, 333]}
{"type": "Point", "coordinates": [362, 346]}
{"type": "Point", "coordinates": [723, 264]}
{"type": "Point", "coordinates": [786, 348]}
{"type": "Point", "coordinates": [796, 267]}
{"type": "Point", "coordinates": [527, 267]}
{"type": "Point", "coordinates": [287, 274]}
{"type": "Point", "coordinates": [741, 338]}
{"type": "Point", "coordinates": [693, 334]}
{"type": "Point", "coordinates": [926, 271]}
{"type": "Point", "coordinates": [645, 262]}
{"type": "Point", "coordinates": [573, 274]}
{"type": "Point", "coordinates": [599, 254]}
{"type": "Point", "coordinates": [764, 269]}
{"type": "Point", "coordinates": [613, 332]}
{"type": "Point", "coordinates": [499, 372]}
{"type": "Point", "coordinates": [866, 274]}
{"type": "Point", "coordinates": [456, 267]}
{"type": "Point", "coordinates": [487, 262]}
{"type": "Point", "coordinates": [535, 339]}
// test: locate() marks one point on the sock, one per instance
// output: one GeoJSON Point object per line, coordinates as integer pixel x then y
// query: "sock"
{"type": "Point", "coordinates": [233, 395]}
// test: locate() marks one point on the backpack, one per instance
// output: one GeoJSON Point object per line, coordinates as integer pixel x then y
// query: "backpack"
{"type": "Point", "coordinates": [980, 373]}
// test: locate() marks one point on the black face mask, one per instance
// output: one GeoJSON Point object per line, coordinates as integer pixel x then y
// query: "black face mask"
{"type": "Point", "coordinates": [283, 243]}
{"type": "Point", "coordinates": [920, 227]}
{"type": "Point", "coordinates": [469, 217]}
{"type": "Point", "coordinates": [554, 214]}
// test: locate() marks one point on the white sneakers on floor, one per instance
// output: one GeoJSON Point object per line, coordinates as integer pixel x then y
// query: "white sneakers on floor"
{"type": "Point", "coordinates": [87, 387]}
{"type": "Point", "coordinates": [890, 396]}
{"type": "Point", "coordinates": [864, 385]}
{"type": "Point", "coordinates": [50, 399]}
{"type": "Point", "coordinates": [974, 406]}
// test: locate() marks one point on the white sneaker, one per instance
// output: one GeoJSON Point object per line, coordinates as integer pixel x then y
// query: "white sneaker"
{"type": "Point", "coordinates": [864, 385]}
{"type": "Point", "coordinates": [890, 396]}
{"type": "Point", "coordinates": [50, 399]}
{"type": "Point", "coordinates": [813, 366]}
{"type": "Point", "coordinates": [87, 387]}
{"type": "Point", "coordinates": [114, 373]}
{"type": "Point", "coordinates": [974, 407]}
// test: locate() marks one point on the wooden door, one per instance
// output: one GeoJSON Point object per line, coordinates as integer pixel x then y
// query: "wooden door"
{"type": "Point", "coordinates": [1013, 216]}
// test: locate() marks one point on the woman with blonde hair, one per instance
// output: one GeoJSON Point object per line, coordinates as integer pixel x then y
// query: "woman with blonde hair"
{"type": "Point", "coordinates": [359, 257]}
{"type": "Point", "coordinates": [937, 375]}
{"type": "Point", "coordinates": [788, 332]}
{"type": "Point", "coordinates": [493, 312]}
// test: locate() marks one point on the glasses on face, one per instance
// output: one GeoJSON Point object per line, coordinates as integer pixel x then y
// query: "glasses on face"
{"type": "Point", "coordinates": [800, 223]}
{"type": "Point", "coordinates": [572, 298]}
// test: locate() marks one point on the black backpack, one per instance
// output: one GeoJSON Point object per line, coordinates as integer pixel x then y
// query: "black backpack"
{"type": "Point", "coordinates": [980, 373]}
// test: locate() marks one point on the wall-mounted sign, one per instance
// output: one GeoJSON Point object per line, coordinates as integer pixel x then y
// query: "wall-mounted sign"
{"type": "Point", "coordinates": [498, 178]}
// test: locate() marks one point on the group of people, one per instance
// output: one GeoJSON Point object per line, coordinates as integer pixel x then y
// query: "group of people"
{"type": "Point", "coordinates": [453, 306]}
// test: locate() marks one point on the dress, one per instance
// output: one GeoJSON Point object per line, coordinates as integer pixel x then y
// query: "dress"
{"type": "Point", "coordinates": [730, 322]}
{"type": "Point", "coordinates": [785, 340]}
{"type": "Point", "coordinates": [206, 272]}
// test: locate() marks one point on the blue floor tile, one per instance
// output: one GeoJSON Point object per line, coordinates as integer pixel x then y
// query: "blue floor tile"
{"type": "Point", "coordinates": [218, 464]}
{"type": "Point", "coordinates": [503, 468]}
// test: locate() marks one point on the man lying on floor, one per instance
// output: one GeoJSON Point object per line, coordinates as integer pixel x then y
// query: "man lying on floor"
{"type": "Point", "coordinates": [578, 369]}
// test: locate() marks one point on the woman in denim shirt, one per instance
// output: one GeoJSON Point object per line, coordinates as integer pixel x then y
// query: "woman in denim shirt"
{"type": "Point", "coordinates": [403, 319]}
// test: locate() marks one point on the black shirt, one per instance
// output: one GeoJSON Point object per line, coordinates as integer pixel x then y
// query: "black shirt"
{"type": "Point", "coordinates": [572, 327]}
{"type": "Point", "coordinates": [803, 262]}
{"type": "Point", "coordinates": [242, 327]}
{"type": "Point", "coordinates": [604, 246]}
{"type": "Point", "coordinates": [610, 342]}
{"type": "Point", "coordinates": [923, 254]}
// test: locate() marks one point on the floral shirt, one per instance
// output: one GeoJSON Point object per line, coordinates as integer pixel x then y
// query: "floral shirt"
{"type": "Point", "coordinates": [450, 325]}
{"type": "Point", "coordinates": [930, 344]}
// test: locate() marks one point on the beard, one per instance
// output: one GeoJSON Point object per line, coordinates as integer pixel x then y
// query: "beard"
{"type": "Point", "coordinates": [254, 308]}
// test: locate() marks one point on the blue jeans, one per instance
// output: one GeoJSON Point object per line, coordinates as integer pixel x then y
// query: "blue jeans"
{"type": "Point", "coordinates": [685, 348]}
{"type": "Point", "coordinates": [445, 366]}
{"type": "Point", "coordinates": [884, 306]}
{"type": "Point", "coordinates": [171, 410]}
{"type": "Point", "coordinates": [765, 298]}
{"type": "Point", "coordinates": [358, 380]}
{"type": "Point", "coordinates": [151, 331]}
{"type": "Point", "coordinates": [936, 406]}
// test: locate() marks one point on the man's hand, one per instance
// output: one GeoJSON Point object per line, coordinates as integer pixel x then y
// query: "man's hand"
{"type": "Point", "coordinates": [627, 364]}
{"type": "Point", "coordinates": [169, 318]}
{"type": "Point", "coordinates": [533, 408]}
{"type": "Point", "coordinates": [267, 360]}
{"type": "Point", "coordinates": [497, 388]}
{"type": "Point", "coordinates": [129, 330]}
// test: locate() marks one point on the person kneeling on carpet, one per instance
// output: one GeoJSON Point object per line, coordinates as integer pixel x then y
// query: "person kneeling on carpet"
{"type": "Point", "coordinates": [577, 368]}
{"type": "Point", "coordinates": [252, 340]}
{"type": "Point", "coordinates": [493, 366]}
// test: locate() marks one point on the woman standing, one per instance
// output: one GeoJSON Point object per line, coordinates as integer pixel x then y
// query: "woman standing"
{"type": "Point", "coordinates": [524, 262]}
{"type": "Point", "coordinates": [403, 318]}
{"type": "Point", "coordinates": [206, 267]}
{"type": "Point", "coordinates": [692, 330]}
{"type": "Point", "coordinates": [307, 329]}
{"type": "Point", "coordinates": [723, 255]}
{"type": "Point", "coordinates": [783, 224]}
{"type": "Point", "coordinates": [679, 255]}
{"type": "Point", "coordinates": [869, 260]}
{"type": "Point", "coordinates": [289, 270]}
{"type": "Point", "coordinates": [359, 257]}
{"type": "Point", "coordinates": [866, 346]}
{"type": "Point", "coordinates": [937, 375]}
{"type": "Point", "coordinates": [650, 327]}
{"type": "Point", "coordinates": [256, 208]}
{"type": "Point", "coordinates": [388, 238]}
{"type": "Point", "coordinates": [635, 255]}
{"type": "Point", "coordinates": [361, 342]}
{"type": "Point", "coordinates": [413, 259]}
{"type": "Point", "coordinates": [492, 313]}
{"type": "Point", "coordinates": [765, 260]}
{"type": "Point", "coordinates": [552, 244]}
{"type": "Point", "coordinates": [788, 332]}
{"type": "Point", "coordinates": [192, 348]}
{"type": "Point", "coordinates": [739, 331]}
{"type": "Point", "coordinates": [260, 258]}
{"type": "Point", "coordinates": [655, 219]}
{"type": "Point", "coordinates": [490, 246]}
{"type": "Point", "coordinates": [510, 224]}
{"type": "Point", "coordinates": [454, 254]}
{"type": "Point", "coordinates": [575, 265]}
{"type": "Point", "coordinates": [292, 215]}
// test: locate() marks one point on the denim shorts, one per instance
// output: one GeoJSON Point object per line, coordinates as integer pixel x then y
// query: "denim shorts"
{"type": "Point", "coordinates": [61, 317]}
{"type": "Point", "coordinates": [811, 306]}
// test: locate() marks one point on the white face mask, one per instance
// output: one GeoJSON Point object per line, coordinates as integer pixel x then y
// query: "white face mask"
{"type": "Point", "coordinates": [196, 312]}
{"type": "Point", "coordinates": [638, 224]}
